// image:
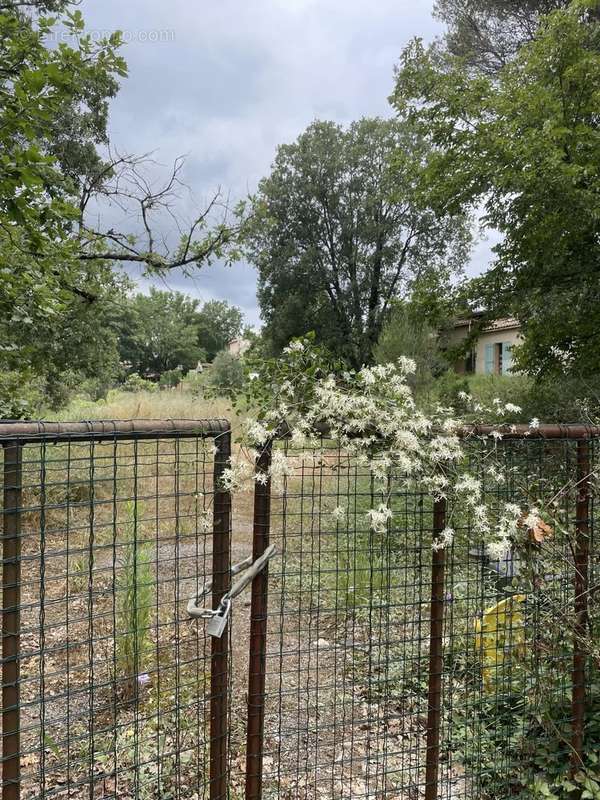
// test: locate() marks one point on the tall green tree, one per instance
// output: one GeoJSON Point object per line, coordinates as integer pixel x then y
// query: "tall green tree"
{"type": "Point", "coordinates": [52, 118]}
{"type": "Point", "coordinates": [488, 33]}
{"type": "Point", "coordinates": [160, 333]}
{"type": "Point", "coordinates": [526, 146]}
{"type": "Point", "coordinates": [218, 324]}
{"type": "Point", "coordinates": [41, 86]}
{"type": "Point", "coordinates": [337, 235]}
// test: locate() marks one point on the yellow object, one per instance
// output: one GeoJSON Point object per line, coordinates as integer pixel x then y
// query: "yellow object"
{"type": "Point", "coordinates": [500, 636]}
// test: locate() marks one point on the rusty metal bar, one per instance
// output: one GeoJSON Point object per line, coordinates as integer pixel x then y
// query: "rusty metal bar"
{"type": "Point", "coordinates": [258, 634]}
{"type": "Point", "coordinates": [527, 432]}
{"type": "Point", "coordinates": [436, 664]}
{"type": "Point", "coordinates": [219, 675]}
{"type": "Point", "coordinates": [109, 430]}
{"type": "Point", "coordinates": [11, 601]}
{"type": "Point", "coordinates": [582, 555]}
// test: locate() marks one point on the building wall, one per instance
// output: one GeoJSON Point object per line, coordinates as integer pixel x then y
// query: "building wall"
{"type": "Point", "coordinates": [237, 347]}
{"type": "Point", "coordinates": [494, 338]}
{"type": "Point", "coordinates": [511, 337]}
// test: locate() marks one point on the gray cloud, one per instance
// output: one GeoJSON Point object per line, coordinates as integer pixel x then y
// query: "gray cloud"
{"type": "Point", "coordinates": [226, 82]}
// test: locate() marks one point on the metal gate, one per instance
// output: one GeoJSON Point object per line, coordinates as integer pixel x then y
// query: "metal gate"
{"type": "Point", "coordinates": [384, 666]}
{"type": "Point", "coordinates": [107, 689]}
{"type": "Point", "coordinates": [364, 664]}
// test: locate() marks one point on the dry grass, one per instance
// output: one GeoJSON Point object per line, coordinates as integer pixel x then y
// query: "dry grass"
{"type": "Point", "coordinates": [167, 404]}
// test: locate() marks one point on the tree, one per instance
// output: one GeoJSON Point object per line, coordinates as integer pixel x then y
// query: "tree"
{"type": "Point", "coordinates": [53, 117]}
{"type": "Point", "coordinates": [488, 34]}
{"type": "Point", "coordinates": [218, 324]}
{"type": "Point", "coordinates": [60, 347]}
{"type": "Point", "coordinates": [159, 333]}
{"type": "Point", "coordinates": [56, 163]}
{"type": "Point", "coordinates": [226, 373]}
{"type": "Point", "coordinates": [85, 350]}
{"type": "Point", "coordinates": [38, 84]}
{"type": "Point", "coordinates": [526, 146]}
{"type": "Point", "coordinates": [337, 235]}
{"type": "Point", "coordinates": [409, 332]}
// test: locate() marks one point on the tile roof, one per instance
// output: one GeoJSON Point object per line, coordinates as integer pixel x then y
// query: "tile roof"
{"type": "Point", "coordinates": [497, 325]}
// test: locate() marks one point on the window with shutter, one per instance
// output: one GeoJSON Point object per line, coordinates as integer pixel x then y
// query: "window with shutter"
{"type": "Point", "coordinates": [489, 359]}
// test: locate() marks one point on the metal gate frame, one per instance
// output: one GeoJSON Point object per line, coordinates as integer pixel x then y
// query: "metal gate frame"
{"type": "Point", "coordinates": [582, 435]}
{"type": "Point", "coordinates": [13, 438]}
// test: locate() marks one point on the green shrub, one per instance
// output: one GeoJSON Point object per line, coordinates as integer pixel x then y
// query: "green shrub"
{"type": "Point", "coordinates": [196, 382]}
{"type": "Point", "coordinates": [226, 372]}
{"type": "Point", "coordinates": [94, 389]}
{"type": "Point", "coordinates": [447, 390]}
{"type": "Point", "coordinates": [511, 727]}
{"type": "Point", "coordinates": [21, 395]}
{"type": "Point", "coordinates": [135, 383]}
{"type": "Point", "coordinates": [407, 333]}
{"type": "Point", "coordinates": [170, 379]}
{"type": "Point", "coordinates": [549, 401]}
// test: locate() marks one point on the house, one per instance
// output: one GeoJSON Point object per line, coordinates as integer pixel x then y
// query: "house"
{"type": "Point", "coordinates": [237, 347]}
{"type": "Point", "coordinates": [492, 350]}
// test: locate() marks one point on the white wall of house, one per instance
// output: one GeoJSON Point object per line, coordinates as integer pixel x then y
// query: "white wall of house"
{"type": "Point", "coordinates": [493, 352]}
{"type": "Point", "coordinates": [493, 349]}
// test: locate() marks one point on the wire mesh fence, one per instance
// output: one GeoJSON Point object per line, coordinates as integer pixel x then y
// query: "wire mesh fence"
{"type": "Point", "coordinates": [106, 684]}
{"type": "Point", "coordinates": [397, 670]}
{"type": "Point", "coordinates": [368, 663]}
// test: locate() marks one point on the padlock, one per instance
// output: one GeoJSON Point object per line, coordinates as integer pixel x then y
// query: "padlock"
{"type": "Point", "coordinates": [218, 623]}
{"type": "Point", "coordinates": [216, 626]}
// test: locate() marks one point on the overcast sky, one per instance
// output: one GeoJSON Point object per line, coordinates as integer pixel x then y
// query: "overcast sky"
{"type": "Point", "coordinates": [226, 81]}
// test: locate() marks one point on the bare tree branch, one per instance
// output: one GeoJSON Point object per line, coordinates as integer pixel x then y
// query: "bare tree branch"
{"type": "Point", "coordinates": [127, 183]}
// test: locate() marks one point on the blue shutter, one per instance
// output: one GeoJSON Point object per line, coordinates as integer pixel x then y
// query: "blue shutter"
{"type": "Point", "coordinates": [506, 358]}
{"type": "Point", "coordinates": [489, 359]}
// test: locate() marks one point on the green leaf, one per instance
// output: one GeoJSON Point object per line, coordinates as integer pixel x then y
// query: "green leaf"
{"type": "Point", "coordinates": [50, 743]}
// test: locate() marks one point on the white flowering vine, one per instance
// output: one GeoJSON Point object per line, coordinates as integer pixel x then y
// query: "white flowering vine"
{"type": "Point", "coordinates": [373, 416]}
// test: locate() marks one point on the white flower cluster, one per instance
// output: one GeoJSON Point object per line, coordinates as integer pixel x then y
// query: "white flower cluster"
{"type": "Point", "coordinates": [507, 529]}
{"type": "Point", "coordinates": [533, 519]}
{"type": "Point", "coordinates": [444, 540]}
{"type": "Point", "coordinates": [470, 488]}
{"type": "Point", "coordinates": [281, 468]}
{"type": "Point", "coordinates": [294, 347]}
{"type": "Point", "coordinates": [373, 415]}
{"type": "Point", "coordinates": [502, 409]}
{"type": "Point", "coordinates": [379, 518]}
{"type": "Point", "coordinates": [237, 474]}
{"type": "Point", "coordinates": [256, 432]}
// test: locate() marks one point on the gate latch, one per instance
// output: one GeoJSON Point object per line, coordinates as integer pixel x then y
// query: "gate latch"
{"type": "Point", "coordinates": [219, 617]}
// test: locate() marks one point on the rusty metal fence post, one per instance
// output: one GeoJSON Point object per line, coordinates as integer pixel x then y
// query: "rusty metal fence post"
{"type": "Point", "coordinates": [258, 633]}
{"type": "Point", "coordinates": [436, 655]}
{"type": "Point", "coordinates": [11, 591]}
{"type": "Point", "coordinates": [219, 676]}
{"type": "Point", "coordinates": [582, 554]}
